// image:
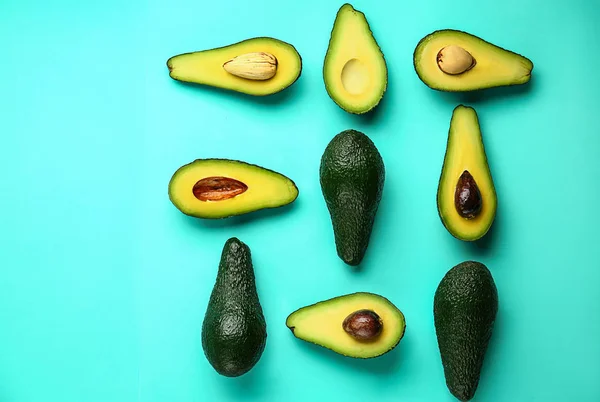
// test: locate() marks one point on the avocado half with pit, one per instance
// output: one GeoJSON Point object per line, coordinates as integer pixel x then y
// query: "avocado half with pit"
{"type": "Point", "coordinates": [359, 325]}
{"type": "Point", "coordinates": [457, 61]}
{"type": "Point", "coordinates": [466, 196]}
{"type": "Point", "coordinates": [354, 70]}
{"type": "Point", "coordinates": [220, 188]}
{"type": "Point", "coordinates": [257, 66]}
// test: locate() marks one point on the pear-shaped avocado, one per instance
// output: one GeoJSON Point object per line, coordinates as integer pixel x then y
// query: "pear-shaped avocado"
{"type": "Point", "coordinates": [457, 61]}
{"type": "Point", "coordinates": [466, 196]}
{"type": "Point", "coordinates": [465, 308]}
{"type": "Point", "coordinates": [354, 70]}
{"type": "Point", "coordinates": [360, 325]}
{"type": "Point", "coordinates": [234, 331]}
{"type": "Point", "coordinates": [257, 66]}
{"type": "Point", "coordinates": [221, 188]}
{"type": "Point", "coordinates": [352, 176]}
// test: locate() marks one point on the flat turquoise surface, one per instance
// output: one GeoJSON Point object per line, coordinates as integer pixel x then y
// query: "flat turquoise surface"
{"type": "Point", "coordinates": [104, 283]}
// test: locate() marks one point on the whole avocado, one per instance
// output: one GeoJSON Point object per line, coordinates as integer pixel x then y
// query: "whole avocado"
{"type": "Point", "coordinates": [465, 308]}
{"type": "Point", "coordinates": [352, 176]}
{"type": "Point", "coordinates": [234, 331]}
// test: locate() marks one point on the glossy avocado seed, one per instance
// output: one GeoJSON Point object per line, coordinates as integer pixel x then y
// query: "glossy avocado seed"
{"type": "Point", "coordinates": [363, 325]}
{"type": "Point", "coordinates": [467, 198]}
{"type": "Point", "coordinates": [218, 188]}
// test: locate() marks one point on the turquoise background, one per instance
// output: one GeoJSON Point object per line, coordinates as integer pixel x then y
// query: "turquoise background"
{"type": "Point", "coordinates": [104, 283]}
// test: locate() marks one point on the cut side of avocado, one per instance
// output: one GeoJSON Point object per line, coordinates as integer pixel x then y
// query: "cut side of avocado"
{"type": "Point", "coordinates": [466, 196]}
{"type": "Point", "coordinates": [220, 188]}
{"type": "Point", "coordinates": [354, 71]}
{"type": "Point", "coordinates": [456, 61]}
{"type": "Point", "coordinates": [206, 67]}
{"type": "Point", "coordinates": [334, 324]}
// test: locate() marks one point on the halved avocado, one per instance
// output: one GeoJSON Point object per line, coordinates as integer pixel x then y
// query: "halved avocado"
{"type": "Point", "coordinates": [354, 71]}
{"type": "Point", "coordinates": [484, 65]}
{"type": "Point", "coordinates": [466, 197]}
{"type": "Point", "coordinates": [220, 188]}
{"type": "Point", "coordinates": [206, 66]}
{"type": "Point", "coordinates": [360, 325]}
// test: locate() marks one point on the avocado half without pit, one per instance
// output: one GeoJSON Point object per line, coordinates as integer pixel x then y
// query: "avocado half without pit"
{"type": "Point", "coordinates": [354, 70]}
{"type": "Point", "coordinates": [456, 61]}
{"type": "Point", "coordinates": [359, 325]}
{"type": "Point", "coordinates": [220, 188]}
{"type": "Point", "coordinates": [466, 196]}
{"type": "Point", "coordinates": [257, 66]}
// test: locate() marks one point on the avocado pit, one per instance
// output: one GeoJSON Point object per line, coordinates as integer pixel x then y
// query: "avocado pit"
{"type": "Point", "coordinates": [257, 66]}
{"type": "Point", "coordinates": [218, 188]}
{"type": "Point", "coordinates": [467, 197]}
{"type": "Point", "coordinates": [363, 325]}
{"type": "Point", "coordinates": [454, 60]}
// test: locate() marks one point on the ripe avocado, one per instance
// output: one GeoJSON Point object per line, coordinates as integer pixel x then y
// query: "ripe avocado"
{"type": "Point", "coordinates": [206, 66]}
{"type": "Point", "coordinates": [220, 188]}
{"type": "Point", "coordinates": [328, 324]}
{"type": "Point", "coordinates": [466, 179]}
{"type": "Point", "coordinates": [465, 308]}
{"type": "Point", "coordinates": [234, 330]}
{"type": "Point", "coordinates": [484, 65]}
{"type": "Point", "coordinates": [354, 70]}
{"type": "Point", "coordinates": [352, 176]}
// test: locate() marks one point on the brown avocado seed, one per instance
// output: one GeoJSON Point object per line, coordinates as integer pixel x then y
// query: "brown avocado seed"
{"type": "Point", "coordinates": [363, 325]}
{"type": "Point", "coordinates": [218, 188]}
{"type": "Point", "coordinates": [467, 197]}
{"type": "Point", "coordinates": [454, 60]}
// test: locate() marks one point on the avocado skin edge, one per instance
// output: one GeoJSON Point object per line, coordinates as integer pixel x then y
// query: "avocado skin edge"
{"type": "Point", "coordinates": [465, 309]}
{"type": "Point", "coordinates": [352, 177]}
{"type": "Point", "coordinates": [469, 34]}
{"type": "Point", "coordinates": [234, 330]}
{"type": "Point", "coordinates": [391, 347]}
{"type": "Point", "coordinates": [168, 64]}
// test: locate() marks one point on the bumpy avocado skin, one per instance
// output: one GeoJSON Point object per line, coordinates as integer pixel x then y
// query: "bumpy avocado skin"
{"type": "Point", "coordinates": [234, 331]}
{"type": "Point", "coordinates": [465, 308]}
{"type": "Point", "coordinates": [352, 176]}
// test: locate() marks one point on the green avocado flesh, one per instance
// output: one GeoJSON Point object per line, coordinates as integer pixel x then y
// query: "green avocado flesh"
{"type": "Point", "coordinates": [493, 67]}
{"type": "Point", "coordinates": [206, 66]}
{"type": "Point", "coordinates": [220, 188]}
{"type": "Point", "coordinates": [234, 330]}
{"type": "Point", "coordinates": [465, 308]}
{"type": "Point", "coordinates": [354, 70]}
{"type": "Point", "coordinates": [465, 152]}
{"type": "Point", "coordinates": [352, 176]}
{"type": "Point", "coordinates": [322, 324]}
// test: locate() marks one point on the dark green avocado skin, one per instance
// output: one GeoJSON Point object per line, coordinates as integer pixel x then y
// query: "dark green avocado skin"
{"type": "Point", "coordinates": [465, 307]}
{"type": "Point", "coordinates": [234, 331]}
{"type": "Point", "coordinates": [352, 176]}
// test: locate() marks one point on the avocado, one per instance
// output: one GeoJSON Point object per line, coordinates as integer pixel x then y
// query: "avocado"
{"type": "Point", "coordinates": [456, 61]}
{"type": "Point", "coordinates": [360, 325]}
{"type": "Point", "coordinates": [220, 188]}
{"type": "Point", "coordinates": [234, 330]}
{"type": "Point", "coordinates": [466, 196]}
{"type": "Point", "coordinates": [354, 70]}
{"type": "Point", "coordinates": [258, 66]}
{"type": "Point", "coordinates": [352, 176]}
{"type": "Point", "coordinates": [465, 308]}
